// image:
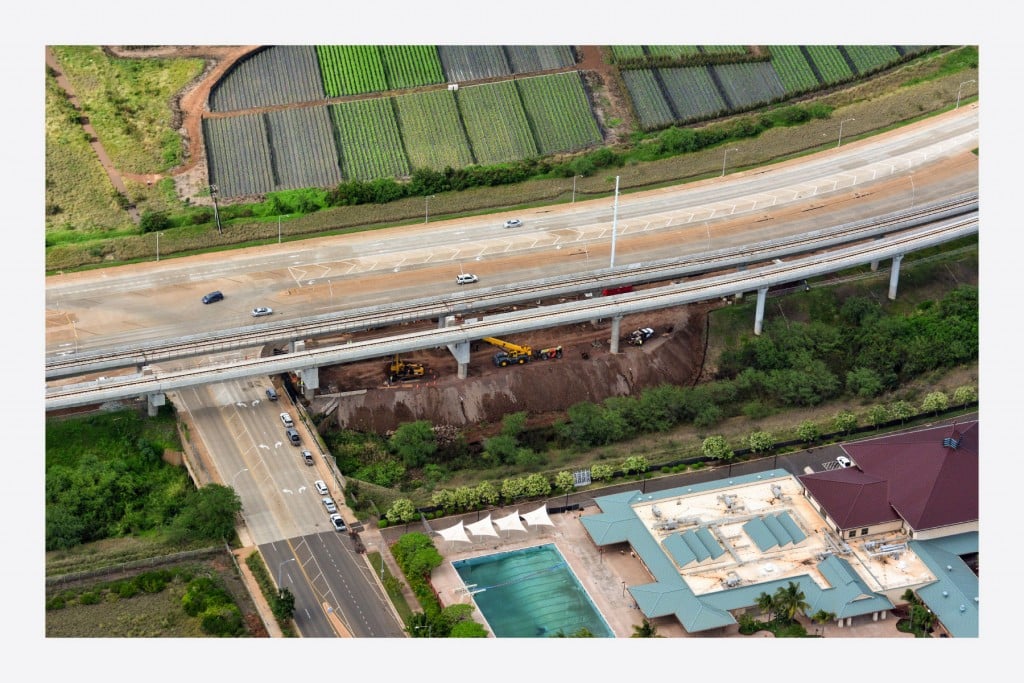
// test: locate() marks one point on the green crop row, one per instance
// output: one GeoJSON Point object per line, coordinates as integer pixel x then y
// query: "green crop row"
{"type": "Point", "coordinates": [431, 129]}
{"type": "Point", "coordinates": [351, 69]}
{"type": "Point", "coordinates": [793, 69]}
{"type": "Point", "coordinates": [831, 65]}
{"type": "Point", "coordinates": [496, 123]}
{"type": "Point", "coordinates": [368, 139]}
{"type": "Point", "coordinates": [409, 66]}
{"type": "Point", "coordinates": [648, 100]}
{"type": "Point", "coordinates": [557, 107]}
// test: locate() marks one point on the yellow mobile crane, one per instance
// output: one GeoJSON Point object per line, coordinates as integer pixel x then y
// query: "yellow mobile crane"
{"type": "Point", "coordinates": [515, 353]}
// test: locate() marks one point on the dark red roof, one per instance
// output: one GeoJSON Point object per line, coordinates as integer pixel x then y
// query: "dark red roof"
{"type": "Point", "coordinates": [914, 475]}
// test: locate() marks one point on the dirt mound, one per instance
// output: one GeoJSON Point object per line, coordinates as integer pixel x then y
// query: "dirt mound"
{"type": "Point", "coordinates": [358, 396]}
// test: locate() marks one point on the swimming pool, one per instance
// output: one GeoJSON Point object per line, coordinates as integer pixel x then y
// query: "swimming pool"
{"type": "Point", "coordinates": [530, 593]}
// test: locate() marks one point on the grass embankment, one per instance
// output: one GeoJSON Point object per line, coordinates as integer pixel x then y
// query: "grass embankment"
{"type": "Point", "coordinates": [918, 89]}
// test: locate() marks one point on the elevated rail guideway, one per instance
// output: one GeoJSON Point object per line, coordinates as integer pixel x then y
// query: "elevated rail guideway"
{"type": "Point", "coordinates": [154, 384]}
{"type": "Point", "coordinates": [481, 300]}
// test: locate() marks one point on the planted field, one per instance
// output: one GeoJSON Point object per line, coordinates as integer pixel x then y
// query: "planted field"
{"type": "Point", "coordinates": [673, 51]}
{"type": "Point", "coordinates": [496, 123]}
{"type": "Point", "coordinates": [302, 148]}
{"type": "Point", "coordinates": [283, 74]}
{"type": "Point", "coordinates": [621, 52]}
{"type": "Point", "coordinates": [526, 59]}
{"type": "Point", "coordinates": [793, 69]}
{"type": "Point", "coordinates": [431, 130]}
{"type": "Point", "coordinates": [750, 84]}
{"type": "Point", "coordinates": [238, 155]}
{"type": "Point", "coordinates": [693, 93]}
{"type": "Point", "coordinates": [724, 49]}
{"type": "Point", "coordinates": [351, 69]}
{"type": "Point", "coordinates": [472, 62]}
{"type": "Point", "coordinates": [648, 100]}
{"type": "Point", "coordinates": [868, 58]}
{"type": "Point", "coordinates": [831, 65]}
{"type": "Point", "coordinates": [409, 66]}
{"type": "Point", "coordinates": [368, 140]}
{"type": "Point", "coordinates": [558, 110]}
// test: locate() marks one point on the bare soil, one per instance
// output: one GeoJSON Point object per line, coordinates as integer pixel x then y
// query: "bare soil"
{"type": "Point", "coordinates": [359, 396]}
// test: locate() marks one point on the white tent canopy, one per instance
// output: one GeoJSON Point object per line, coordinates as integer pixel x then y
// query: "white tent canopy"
{"type": "Point", "coordinates": [539, 517]}
{"type": "Point", "coordinates": [510, 522]}
{"type": "Point", "coordinates": [455, 533]}
{"type": "Point", "coordinates": [483, 527]}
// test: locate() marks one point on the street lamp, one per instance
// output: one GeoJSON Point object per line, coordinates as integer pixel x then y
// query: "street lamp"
{"type": "Point", "coordinates": [574, 187]}
{"type": "Point", "coordinates": [958, 92]}
{"type": "Point", "coordinates": [623, 589]}
{"type": "Point", "coordinates": [726, 156]}
{"type": "Point", "coordinates": [216, 214]}
{"type": "Point", "coordinates": [158, 246]}
{"type": "Point", "coordinates": [841, 130]}
{"type": "Point", "coordinates": [426, 208]}
{"type": "Point", "coordinates": [279, 567]}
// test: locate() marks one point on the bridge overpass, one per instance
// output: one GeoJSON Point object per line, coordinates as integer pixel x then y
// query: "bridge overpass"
{"type": "Point", "coordinates": [153, 385]}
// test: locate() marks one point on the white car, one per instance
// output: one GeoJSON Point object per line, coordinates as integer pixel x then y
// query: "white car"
{"type": "Point", "coordinates": [261, 311]}
{"type": "Point", "coordinates": [844, 461]}
{"type": "Point", "coordinates": [466, 278]}
{"type": "Point", "coordinates": [286, 420]}
{"type": "Point", "coordinates": [320, 487]}
{"type": "Point", "coordinates": [338, 522]}
{"type": "Point", "coordinates": [513, 223]}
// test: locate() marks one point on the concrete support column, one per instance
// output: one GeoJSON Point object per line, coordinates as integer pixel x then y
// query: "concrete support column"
{"type": "Point", "coordinates": [874, 266]}
{"type": "Point", "coordinates": [153, 403]}
{"type": "Point", "coordinates": [762, 294]}
{"type": "Point", "coordinates": [739, 295]}
{"type": "Point", "coordinates": [894, 276]}
{"type": "Point", "coordinates": [884, 615]}
{"type": "Point", "coordinates": [616, 322]}
{"type": "Point", "coordinates": [461, 352]}
{"type": "Point", "coordinates": [310, 378]}
{"type": "Point", "coordinates": [874, 616]}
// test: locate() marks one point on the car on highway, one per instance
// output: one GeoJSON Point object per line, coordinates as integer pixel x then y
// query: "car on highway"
{"type": "Point", "coordinates": [261, 311]}
{"type": "Point", "coordinates": [286, 420]}
{"type": "Point", "coordinates": [338, 522]}
{"type": "Point", "coordinates": [844, 461]}
{"type": "Point", "coordinates": [293, 436]}
{"type": "Point", "coordinates": [320, 487]}
{"type": "Point", "coordinates": [329, 504]}
{"type": "Point", "coordinates": [212, 297]}
{"type": "Point", "coordinates": [272, 394]}
{"type": "Point", "coordinates": [465, 278]}
{"type": "Point", "coordinates": [307, 457]}
{"type": "Point", "coordinates": [513, 223]}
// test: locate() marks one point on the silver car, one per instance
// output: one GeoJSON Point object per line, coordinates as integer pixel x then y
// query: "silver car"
{"type": "Point", "coordinates": [261, 311]}
{"type": "Point", "coordinates": [329, 504]}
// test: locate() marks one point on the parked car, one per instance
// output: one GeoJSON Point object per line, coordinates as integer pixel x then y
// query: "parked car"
{"type": "Point", "coordinates": [465, 279]}
{"type": "Point", "coordinates": [329, 504]}
{"type": "Point", "coordinates": [320, 487]}
{"type": "Point", "coordinates": [293, 436]}
{"type": "Point", "coordinates": [513, 223]}
{"type": "Point", "coordinates": [844, 461]}
{"type": "Point", "coordinates": [213, 296]}
{"type": "Point", "coordinates": [338, 522]}
{"type": "Point", "coordinates": [307, 457]}
{"type": "Point", "coordinates": [261, 311]}
{"type": "Point", "coordinates": [286, 420]}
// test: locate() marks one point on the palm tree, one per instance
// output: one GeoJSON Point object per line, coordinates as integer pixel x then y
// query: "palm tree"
{"type": "Point", "coordinates": [767, 605]}
{"type": "Point", "coordinates": [822, 617]}
{"type": "Point", "coordinates": [790, 600]}
{"type": "Point", "coordinates": [645, 630]}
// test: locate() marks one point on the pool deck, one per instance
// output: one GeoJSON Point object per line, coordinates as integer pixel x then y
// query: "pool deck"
{"type": "Point", "coordinates": [605, 574]}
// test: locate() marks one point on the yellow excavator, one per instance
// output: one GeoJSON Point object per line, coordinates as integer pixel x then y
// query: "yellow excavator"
{"type": "Point", "coordinates": [401, 371]}
{"type": "Point", "coordinates": [515, 353]}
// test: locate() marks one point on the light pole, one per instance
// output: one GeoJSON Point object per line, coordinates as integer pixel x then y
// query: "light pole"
{"type": "Point", "coordinates": [216, 213]}
{"type": "Point", "coordinates": [426, 208]}
{"type": "Point", "coordinates": [279, 230]}
{"type": "Point", "coordinates": [279, 567]}
{"type": "Point", "coordinates": [841, 130]}
{"type": "Point", "coordinates": [958, 92]}
{"type": "Point", "coordinates": [623, 589]}
{"type": "Point", "coordinates": [574, 187]}
{"type": "Point", "coordinates": [726, 156]}
{"type": "Point", "coordinates": [158, 246]}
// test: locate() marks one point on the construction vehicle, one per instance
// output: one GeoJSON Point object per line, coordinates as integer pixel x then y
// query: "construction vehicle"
{"type": "Point", "coordinates": [639, 336]}
{"type": "Point", "coordinates": [518, 354]}
{"type": "Point", "coordinates": [402, 371]}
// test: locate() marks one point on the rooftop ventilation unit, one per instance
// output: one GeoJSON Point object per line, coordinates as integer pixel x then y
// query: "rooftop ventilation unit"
{"type": "Point", "coordinates": [776, 490]}
{"type": "Point", "coordinates": [655, 511]}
